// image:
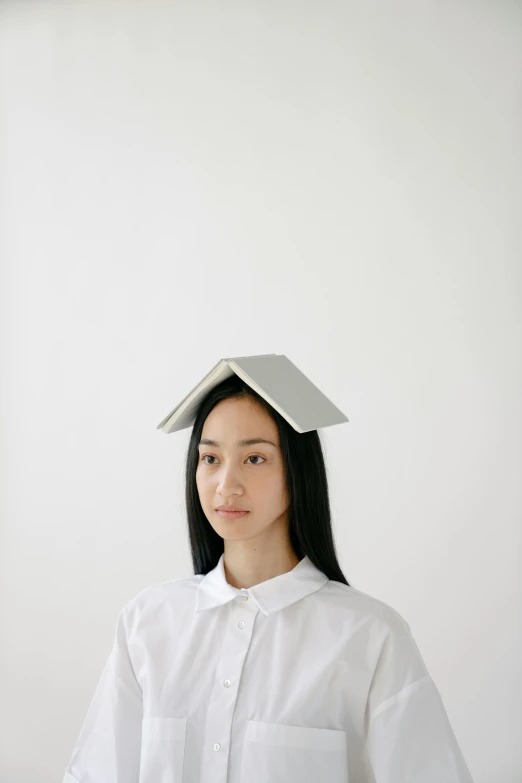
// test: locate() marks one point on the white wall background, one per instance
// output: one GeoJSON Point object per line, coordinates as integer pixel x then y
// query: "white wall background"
{"type": "Point", "coordinates": [336, 181]}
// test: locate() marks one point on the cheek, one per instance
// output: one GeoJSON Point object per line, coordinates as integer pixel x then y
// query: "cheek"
{"type": "Point", "coordinates": [205, 483]}
{"type": "Point", "coordinates": [200, 481]}
{"type": "Point", "coordinates": [270, 490]}
{"type": "Point", "coordinates": [282, 490]}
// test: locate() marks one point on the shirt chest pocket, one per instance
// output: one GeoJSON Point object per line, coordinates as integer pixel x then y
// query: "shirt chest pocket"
{"type": "Point", "coordinates": [162, 750]}
{"type": "Point", "coordinates": [275, 753]}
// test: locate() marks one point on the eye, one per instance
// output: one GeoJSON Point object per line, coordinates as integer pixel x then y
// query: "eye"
{"type": "Point", "coordinates": [255, 456]}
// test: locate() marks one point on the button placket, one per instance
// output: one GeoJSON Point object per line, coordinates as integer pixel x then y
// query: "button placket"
{"type": "Point", "coordinates": [222, 702]}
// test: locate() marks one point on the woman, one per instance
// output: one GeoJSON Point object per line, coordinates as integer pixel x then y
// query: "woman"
{"type": "Point", "coordinates": [265, 666]}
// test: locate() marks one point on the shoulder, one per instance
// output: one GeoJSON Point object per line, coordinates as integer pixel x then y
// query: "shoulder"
{"type": "Point", "coordinates": [366, 607]}
{"type": "Point", "coordinates": [161, 594]}
{"type": "Point", "coordinates": [389, 641]}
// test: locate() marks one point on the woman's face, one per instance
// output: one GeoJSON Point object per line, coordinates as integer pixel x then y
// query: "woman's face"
{"type": "Point", "coordinates": [250, 476]}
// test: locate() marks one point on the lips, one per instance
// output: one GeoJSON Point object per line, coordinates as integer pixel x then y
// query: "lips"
{"type": "Point", "coordinates": [230, 508]}
{"type": "Point", "coordinates": [232, 514]}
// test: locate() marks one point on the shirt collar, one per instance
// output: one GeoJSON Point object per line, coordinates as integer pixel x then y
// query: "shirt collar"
{"type": "Point", "coordinates": [270, 596]}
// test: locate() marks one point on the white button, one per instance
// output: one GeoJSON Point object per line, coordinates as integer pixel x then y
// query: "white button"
{"type": "Point", "coordinates": [244, 597]}
{"type": "Point", "coordinates": [227, 683]}
{"type": "Point", "coordinates": [216, 746]}
{"type": "Point", "coordinates": [241, 624]}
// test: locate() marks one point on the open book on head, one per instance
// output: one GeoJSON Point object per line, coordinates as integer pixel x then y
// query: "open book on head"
{"type": "Point", "coordinates": [275, 378]}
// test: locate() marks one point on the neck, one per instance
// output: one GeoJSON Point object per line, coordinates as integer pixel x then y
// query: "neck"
{"type": "Point", "coordinates": [246, 568]}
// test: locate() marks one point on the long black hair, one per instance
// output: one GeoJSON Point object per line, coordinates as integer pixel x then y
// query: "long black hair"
{"type": "Point", "coordinates": [310, 527]}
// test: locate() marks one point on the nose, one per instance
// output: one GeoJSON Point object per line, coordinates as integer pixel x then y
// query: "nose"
{"type": "Point", "coordinates": [228, 484]}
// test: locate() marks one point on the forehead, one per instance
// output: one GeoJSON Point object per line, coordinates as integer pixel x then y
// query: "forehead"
{"type": "Point", "coordinates": [233, 418]}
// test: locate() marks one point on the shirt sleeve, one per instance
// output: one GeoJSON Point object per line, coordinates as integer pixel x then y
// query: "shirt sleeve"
{"type": "Point", "coordinates": [409, 735]}
{"type": "Point", "coordinates": [108, 746]}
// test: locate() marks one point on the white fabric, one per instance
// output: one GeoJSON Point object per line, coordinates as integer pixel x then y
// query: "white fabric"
{"type": "Point", "coordinates": [298, 679]}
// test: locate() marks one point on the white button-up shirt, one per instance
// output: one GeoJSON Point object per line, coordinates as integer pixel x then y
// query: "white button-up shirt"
{"type": "Point", "coordinates": [299, 679]}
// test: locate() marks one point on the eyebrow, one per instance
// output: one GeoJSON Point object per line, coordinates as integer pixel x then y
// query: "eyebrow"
{"type": "Point", "coordinates": [244, 442]}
